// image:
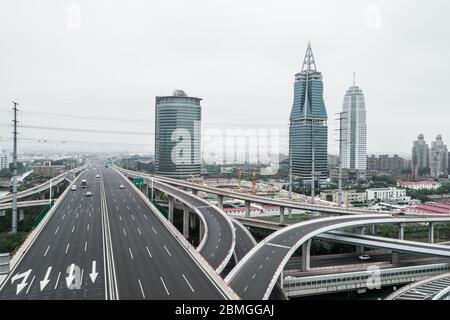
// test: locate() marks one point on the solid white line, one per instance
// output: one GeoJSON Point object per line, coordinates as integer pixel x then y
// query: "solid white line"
{"type": "Point", "coordinates": [85, 246]}
{"type": "Point", "coordinates": [132, 217]}
{"type": "Point", "coordinates": [124, 232]}
{"type": "Point", "coordinates": [46, 251]}
{"type": "Point", "coordinates": [148, 252]}
{"type": "Point", "coordinates": [164, 286]}
{"type": "Point", "coordinates": [82, 272]}
{"type": "Point", "coordinates": [188, 283]}
{"type": "Point", "coordinates": [57, 230]}
{"type": "Point", "coordinates": [87, 228]}
{"type": "Point", "coordinates": [167, 250]}
{"type": "Point", "coordinates": [139, 232]}
{"type": "Point", "coordinates": [154, 230]}
{"type": "Point", "coordinates": [57, 280]}
{"type": "Point", "coordinates": [131, 254]}
{"type": "Point", "coordinates": [67, 248]}
{"type": "Point", "coordinates": [30, 284]}
{"type": "Point", "coordinates": [145, 217]}
{"type": "Point", "coordinates": [142, 290]}
{"type": "Point", "coordinates": [277, 245]}
{"type": "Point", "coordinates": [73, 228]}
{"type": "Point", "coordinates": [254, 276]}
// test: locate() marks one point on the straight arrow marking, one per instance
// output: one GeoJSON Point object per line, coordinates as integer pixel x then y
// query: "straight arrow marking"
{"type": "Point", "coordinates": [44, 282]}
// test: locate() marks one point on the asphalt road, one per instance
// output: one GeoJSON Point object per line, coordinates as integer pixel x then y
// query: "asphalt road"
{"type": "Point", "coordinates": [71, 236]}
{"type": "Point", "coordinates": [150, 263]}
{"type": "Point", "coordinates": [219, 242]}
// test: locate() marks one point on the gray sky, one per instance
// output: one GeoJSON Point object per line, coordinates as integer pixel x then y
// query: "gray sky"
{"type": "Point", "coordinates": [239, 56]}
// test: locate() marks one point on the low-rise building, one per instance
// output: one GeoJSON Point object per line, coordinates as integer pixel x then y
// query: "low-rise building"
{"type": "Point", "coordinates": [48, 169]}
{"type": "Point", "coordinates": [383, 194]}
{"type": "Point", "coordinates": [420, 185]}
{"type": "Point", "coordinates": [348, 196]}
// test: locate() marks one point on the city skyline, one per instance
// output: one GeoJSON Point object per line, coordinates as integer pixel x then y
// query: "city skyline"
{"type": "Point", "coordinates": [77, 80]}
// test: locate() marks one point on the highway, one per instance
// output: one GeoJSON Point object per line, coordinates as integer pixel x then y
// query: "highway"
{"type": "Point", "coordinates": [256, 274]}
{"type": "Point", "coordinates": [219, 244]}
{"type": "Point", "coordinates": [149, 262]}
{"type": "Point", "coordinates": [64, 252]}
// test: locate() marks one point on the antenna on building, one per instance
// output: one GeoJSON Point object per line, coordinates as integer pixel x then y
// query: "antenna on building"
{"type": "Point", "coordinates": [308, 63]}
{"type": "Point", "coordinates": [354, 79]}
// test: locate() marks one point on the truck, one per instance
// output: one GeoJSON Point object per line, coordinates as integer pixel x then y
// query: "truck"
{"type": "Point", "coordinates": [83, 183]}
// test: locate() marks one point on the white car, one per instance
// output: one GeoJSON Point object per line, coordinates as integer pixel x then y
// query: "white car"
{"type": "Point", "coordinates": [121, 186]}
{"type": "Point", "coordinates": [97, 176]}
{"type": "Point", "coordinates": [88, 194]}
{"type": "Point", "coordinates": [364, 257]}
{"type": "Point", "coordinates": [74, 187]}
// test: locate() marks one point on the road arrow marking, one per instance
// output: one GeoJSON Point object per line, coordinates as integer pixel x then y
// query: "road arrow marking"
{"type": "Point", "coordinates": [24, 283]}
{"type": "Point", "coordinates": [93, 274]}
{"type": "Point", "coordinates": [71, 277]}
{"type": "Point", "coordinates": [44, 282]}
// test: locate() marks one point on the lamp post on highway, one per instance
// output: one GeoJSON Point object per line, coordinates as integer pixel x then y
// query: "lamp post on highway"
{"type": "Point", "coordinates": [14, 204]}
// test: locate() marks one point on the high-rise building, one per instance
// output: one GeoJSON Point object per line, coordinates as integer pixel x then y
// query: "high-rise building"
{"type": "Point", "coordinates": [177, 135]}
{"type": "Point", "coordinates": [438, 158]}
{"type": "Point", "coordinates": [5, 160]}
{"type": "Point", "coordinates": [308, 131]}
{"type": "Point", "coordinates": [353, 139]}
{"type": "Point", "coordinates": [420, 156]}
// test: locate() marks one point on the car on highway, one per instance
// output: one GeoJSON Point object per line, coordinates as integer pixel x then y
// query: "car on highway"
{"type": "Point", "coordinates": [97, 176]}
{"type": "Point", "coordinates": [364, 257]}
{"type": "Point", "coordinates": [121, 186]}
{"type": "Point", "coordinates": [88, 194]}
{"type": "Point", "coordinates": [74, 187]}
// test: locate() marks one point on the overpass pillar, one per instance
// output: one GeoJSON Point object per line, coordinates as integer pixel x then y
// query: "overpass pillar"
{"type": "Point", "coordinates": [394, 257]}
{"type": "Point", "coordinates": [171, 208]}
{"type": "Point", "coordinates": [431, 232]}
{"type": "Point", "coordinates": [221, 202]}
{"type": "Point", "coordinates": [281, 215]}
{"type": "Point", "coordinates": [202, 230]}
{"type": "Point", "coordinates": [42, 195]}
{"type": "Point", "coordinates": [247, 208]}
{"type": "Point", "coordinates": [290, 213]}
{"type": "Point", "coordinates": [57, 189]}
{"type": "Point", "coordinates": [361, 230]}
{"type": "Point", "coordinates": [195, 192]}
{"type": "Point", "coordinates": [401, 231]}
{"type": "Point", "coordinates": [306, 255]}
{"type": "Point", "coordinates": [21, 215]}
{"type": "Point", "coordinates": [145, 187]}
{"type": "Point", "coordinates": [186, 221]}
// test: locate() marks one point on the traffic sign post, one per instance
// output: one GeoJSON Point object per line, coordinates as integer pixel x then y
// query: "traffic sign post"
{"type": "Point", "coordinates": [138, 181]}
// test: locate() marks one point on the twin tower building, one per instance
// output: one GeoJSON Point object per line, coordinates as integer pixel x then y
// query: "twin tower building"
{"type": "Point", "coordinates": [178, 135]}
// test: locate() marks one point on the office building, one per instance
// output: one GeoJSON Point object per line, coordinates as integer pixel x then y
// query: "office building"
{"type": "Point", "coordinates": [308, 131]}
{"type": "Point", "coordinates": [438, 158]}
{"type": "Point", "coordinates": [420, 157]}
{"type": "Point", "coordinates": [177, 136]}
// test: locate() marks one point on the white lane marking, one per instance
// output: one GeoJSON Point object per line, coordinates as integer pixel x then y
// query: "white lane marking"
{"type": "Point", "coordinates": [63, 216]}
{"type": "Point", "coordinates": [212, 255]}
{"type": "Point", "coordinates": [89, 214]}
{"type": "Point", "coordinates": [145, 217]}
{"type": "Point", "coordinates": [82, 271]}
{"type": "Point", "coordinates": [139, 232]}
{"type": "Point", "coordinates": [87, 228]}
{"type": "Point", "coordinates": [76, 216]}
{"type": "Point", "coordinates": [132, 217]}
{"type": "Point", "coordinates": [57, 230]}
{"type": "Point", "coordinates": [154, 230]}
{"type": "Point", "coordinates": [139, 208]}
{"type": "Point", "coordinates": [85, 246]}
{"type": "Point", "coordinates": [273, 251]}
{"type": "Point", "coordinates": [148, 252]}
{"type": "Point", "coordinates": [117, 208]}
{"type": "Point", "coordinates": [30, 284]}
{"type": "Point", "coordinates": [245, 288]}
{"type": "Point", "coordinates": [254, 276]}
{"type": "Point", "coordinates": [128, 207]}
{"type": "Point", "coordinates": [162, 280]}
{"type": "Point", "coordinates": [73, 228]}
{"type": "Point", "coordinates": [120, 217]}
{"type": "Point", "coordinates": [67, 248]}
{"type": "Point", "coordinates": [124, 232]}
{"type": "Point", "coordinates": [167, 250]}
{"type": "Point", "coordinates": [68, 207]}
{"type": "Point", "coordinates": [57, 280]}
{"type": "Point", "coordinates": [267, 258]}
{"type": "Point", "coordinates": [188, 283]}
{"type": "Point", "coordinates": [260, 267]}
{"type": "Point", "coordinates": [46, 251]}
{"type": "Point", "coordinates": [131, 254]}
{"type": "Point", "coordinates": [142, 290]}
{"type": "Point", "coordinates": [277, 245]}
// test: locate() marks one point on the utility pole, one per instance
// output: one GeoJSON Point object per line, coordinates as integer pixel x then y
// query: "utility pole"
{"type": "Point", "coordinates": [14, 204]}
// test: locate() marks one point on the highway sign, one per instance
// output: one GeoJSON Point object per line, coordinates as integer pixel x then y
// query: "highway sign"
{"type": "Point", "coordinates": [138, 181]}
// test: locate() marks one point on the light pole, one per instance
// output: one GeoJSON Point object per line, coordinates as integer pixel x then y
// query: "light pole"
{"type": "Point", "coordinates": [14, 204]}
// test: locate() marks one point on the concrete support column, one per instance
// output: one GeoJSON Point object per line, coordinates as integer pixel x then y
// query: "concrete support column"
{"type": "Point", "coordinates": [394, 257]}
{"type": "Point", "coordinates": [306, 255]}
{"type": "Point", "coordinates": [401, 231]}
{"type": "Point", "coordinates": [195, 192]}
{"type": "Point", "coordinates": [431, 232]}
{"type": "Point", "coordinates": [42, 195]}
{"type": "Point", "coordinates": [145, 187]}
{"type": "Point", "coordinates": [373, 229]}
{"type": "Point", "coordinates": [171, 208]}
{"type": "Point", "coordinates": [186, 221]}
{"type": "Point", "coordinates": [247, 208]}
{"type": "Point", "coordinates": [281, 215]}
{"type": "Point", "coordinates": [221, 202]}
{"type": "Point", "coordinates": [21, 215]}
{"type": "Point", "coordinates": [57, 189]}
{"type": "Point", "coordinates": [290, 213]}
{"type": "Point", "coordinates": [361, 230]}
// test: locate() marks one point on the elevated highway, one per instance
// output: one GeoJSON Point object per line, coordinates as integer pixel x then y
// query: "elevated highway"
{"type": "Point", "coordinates": [431, 288]}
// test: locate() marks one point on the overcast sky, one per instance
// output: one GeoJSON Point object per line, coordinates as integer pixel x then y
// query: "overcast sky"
{"type": "Point", "coordinates": [104, 60]}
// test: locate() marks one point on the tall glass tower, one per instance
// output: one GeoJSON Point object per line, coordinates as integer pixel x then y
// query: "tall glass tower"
{"type": "Point", "coordinates": [353, 141]}
{"type": "Point", "coordinates": [177, 136]}
{"type": "Point", "coordinates": [308, 131]}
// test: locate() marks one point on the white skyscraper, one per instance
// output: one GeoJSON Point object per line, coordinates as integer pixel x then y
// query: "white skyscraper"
{"type": "Point", "coordinates": [353, 140]}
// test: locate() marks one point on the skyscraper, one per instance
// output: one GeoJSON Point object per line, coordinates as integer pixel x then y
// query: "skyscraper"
{"type": "Point", "coordinates": [177, 135]}
{"type": "Point", "coordinates": [438, 158]}
{"type": "Point", "coordinates": [353, 140]}
{"type": "Point", "coordinates": [420, 157]}
{"type": "Point", "coordinates": [308, 131]}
